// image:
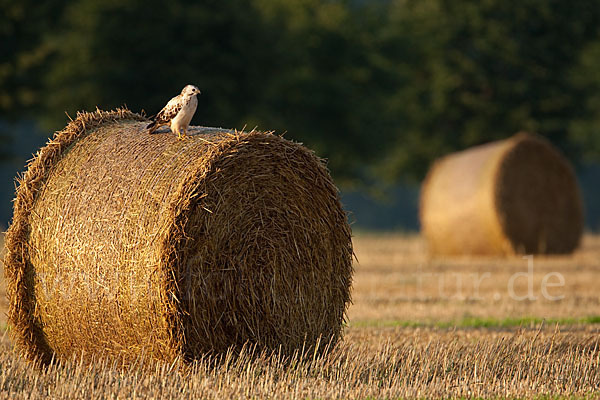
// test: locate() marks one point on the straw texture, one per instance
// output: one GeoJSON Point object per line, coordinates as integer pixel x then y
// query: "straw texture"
{"type": "Point", "coordinates": [126, 244]}
{"type": "Point", "coordinates": [519, 195]}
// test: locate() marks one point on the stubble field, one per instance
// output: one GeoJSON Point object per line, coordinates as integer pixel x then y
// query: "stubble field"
{"type": "Point", "coordinates": [419, 327]}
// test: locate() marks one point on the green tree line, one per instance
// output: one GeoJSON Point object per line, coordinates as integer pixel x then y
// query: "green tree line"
{"type": "Point", "coordinates": [379, 88]}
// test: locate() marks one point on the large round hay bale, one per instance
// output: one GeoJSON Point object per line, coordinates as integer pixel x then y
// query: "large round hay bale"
{"type": "Point", "coordinates": [518, 195]}
{"type": "Point", "coordinates": [128, 245]}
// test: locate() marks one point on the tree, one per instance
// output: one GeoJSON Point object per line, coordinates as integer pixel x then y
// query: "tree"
{"type": "Point", "coordinates": [585, 127]}
{"type": "Point", "coordinates": [23, 54]}
{"type": "Point", "coordinates": [140, 53]}
{"type": "Point", "coordinates": [327, 81]}
{"type": "Point", "coordinates": [483, 70]}
{"type": "Point", "coordinates": [301, 67]}
{"type": "Point", "coordinates": [380, 88]}
{"type": "Point", "coordinates": [22, 62]}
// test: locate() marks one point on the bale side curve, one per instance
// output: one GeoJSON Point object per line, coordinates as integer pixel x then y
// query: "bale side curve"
{"type": "Point", "coordinates": [456, 206]}
{"type": "Point", "coordinates": [18, 272]}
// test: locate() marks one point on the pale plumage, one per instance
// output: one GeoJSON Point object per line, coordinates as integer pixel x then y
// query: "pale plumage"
{"type": "Point", "coordinates": [178, 112]}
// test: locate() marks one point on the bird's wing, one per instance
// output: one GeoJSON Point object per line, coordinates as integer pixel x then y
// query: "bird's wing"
{"type": "Point", "coordinates": [170, 110]}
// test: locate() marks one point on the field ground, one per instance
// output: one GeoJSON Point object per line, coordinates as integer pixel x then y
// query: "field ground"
{"type": "Point", "coordinates": [397, 284]}
{"type": "Point", "coordinates": [419, 327]}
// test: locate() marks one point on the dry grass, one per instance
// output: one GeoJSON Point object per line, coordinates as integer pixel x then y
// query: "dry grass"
{"type": "Point", "coordinates": [3, 298]}
{"type": "Point", "coordinates": [397, 283]}
{"type": "Point", "coordinates": [388, 364]}
{"type": "Point", "coordinates": [377, 360]}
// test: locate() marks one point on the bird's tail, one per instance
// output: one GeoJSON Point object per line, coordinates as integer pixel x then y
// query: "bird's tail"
{"type": "Point", "coordinates": [152, 126]}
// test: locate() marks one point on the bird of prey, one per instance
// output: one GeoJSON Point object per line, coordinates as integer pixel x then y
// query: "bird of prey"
{"type": "Point", "coordinates": [178, 112]}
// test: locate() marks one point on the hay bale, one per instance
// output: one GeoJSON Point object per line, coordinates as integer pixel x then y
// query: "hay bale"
{"type": "Point", "coordinates": [126, 244]}
{"type": "Point", "coordinates": [512, 196]}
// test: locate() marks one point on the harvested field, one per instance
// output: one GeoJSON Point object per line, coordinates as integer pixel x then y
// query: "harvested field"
{"type": "Point", "coordinates": [397, 283]}
{"type": "Point", "coordinates": [377, 364]}
{"type": "Point", "coordinates": [404, 339]}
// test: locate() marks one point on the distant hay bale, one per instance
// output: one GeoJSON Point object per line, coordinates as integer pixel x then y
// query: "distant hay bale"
{"type": "Point", "coordinates": [125, 244]}
{"type": "Point", "coordinates": [512, 196]}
